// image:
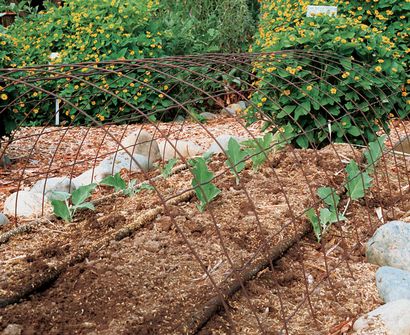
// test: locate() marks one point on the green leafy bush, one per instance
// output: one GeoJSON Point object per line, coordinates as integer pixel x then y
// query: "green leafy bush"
{"type": "Point", "coordinates": [208, 25]}
{"type": "Point", "coordinates": [342, 79]}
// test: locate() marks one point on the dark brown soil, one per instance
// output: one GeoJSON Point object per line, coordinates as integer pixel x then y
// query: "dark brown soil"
{"type": "Point", "coordinates": [154, 281]}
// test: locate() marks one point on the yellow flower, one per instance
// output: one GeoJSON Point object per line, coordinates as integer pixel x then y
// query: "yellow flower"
{"type": "Point", "coordinates": [380, 61]}
{"type": "Point", "coordinates": [309, 88]}
{"type": "Point", "coordinates": [264, 99]}
{"type": "Point", "coordinates": [4, 96]}
{"type": "Point", "coordinates": [160, 96]}
{"type": "Point", "coordinates": [93, 103]}
{"type": "Point", "coordinates": [166, 87]}
{"type": "Point", "coordinates": [378, 68]}
{"type": "Point", "coordinates": [333, 90]}
{"type": "Point", "coordinates": [286, 92]}
{"type": "Point", "coordinates": [346, 74]}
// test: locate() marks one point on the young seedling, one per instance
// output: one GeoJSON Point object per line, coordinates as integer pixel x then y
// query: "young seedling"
{"type": "Point", "coordinates": [119, 184]}
{"type": "Point", "coordinates": [357, 181]}
{"type": "Point", "coordinates": [258, 149]}
{"type": "Point", "coordinates": [204, 189]}
{"type": "Point", "coordinates": [167, 169]}
{"type": "Point", "coordinates": [327, 215]}
{"type": "Point", "coordinates": [374, 153]}
{"type": "Point", "coordinates": [61, 202]}
{"type": "Point", "coordinates": [236, 158]}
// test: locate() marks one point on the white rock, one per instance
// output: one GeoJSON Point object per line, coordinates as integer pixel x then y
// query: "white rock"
{"type": "Point", "coordinates": [221, 144]}
{"type": "Point", "coordinates": [12, 329]}
{"type": "Point", "coordinates": [62, 184]}
{"type": "Point", "coordinates": [3, 219]}
{"type": "Point", "coordinates": [29, 204]}
{"type": "Point", "coordinates": [142, 143]}
{"type": "Point", "coordinates": [392, 318]}
{"type": "Point", "coordinates": [234, 109]}
{"type": "Point", "coordinates": [88, 177]}
{"type": "Point", "coordinates": [184, 149]}
{"type": "Point", "coordinates": [208, 116]}
{"type": "Point", "coordinates": [122, 160]}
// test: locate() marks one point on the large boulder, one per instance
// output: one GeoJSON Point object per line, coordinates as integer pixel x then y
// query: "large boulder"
{"type": "Point", "coordinates": [179, 149]}
{"type": "Point", "coordinates": [393, 284]}
{"type": "Point", "coordinates": [141, 142]}
{"type": "Point", "coordinates": [88, 177]}
{"type": "Point", "coordinates": [123, 160]}
{"type": "Point", "coordinates": [47, 185]}
{"type": "Point", "coordinates": [392, 318]}
{"type": "Point", "coordinates": [390, 245]}
{"type": "Point", "coordinates": [112, 165]}
{"type": "Point", "coordinates": [221, 144]}
{"type": "Point", "coordinates": [25, 203]}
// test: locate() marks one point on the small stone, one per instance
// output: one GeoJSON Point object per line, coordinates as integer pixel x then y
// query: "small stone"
{"type": "Point", "coordinates": [221, 144]}
{"type": "Point", "coordinates": [390, 245]}
{"type": "Point", "coordinates": [141, 142]}
{"type": "Point", "coordinates": [152, 246]}
{"type": "Point", "coordinates": [208, 116]}
{"type": "Point", "coordinates": [392, 318]}
{"type": "Point", "coordinates": [62, 184]}
{"type": "Point", "coordinates": [29, 204]}
{"type": "Point", "coordinates": [164, 224]}
{"type": "Point", "coordinates": [393, 284]}
{"type": "Point", "coordinates": [178, 149]}
{"type": "Point", "coordinates": [3, 219]}
{"type": "Point", "coordinates": [12, 329]}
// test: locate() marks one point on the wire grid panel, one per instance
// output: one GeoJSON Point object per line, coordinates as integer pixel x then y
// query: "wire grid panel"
{"type": "Point", "coordinates": [207, 229]}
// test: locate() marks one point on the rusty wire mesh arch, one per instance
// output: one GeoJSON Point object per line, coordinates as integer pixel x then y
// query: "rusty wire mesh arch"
{"type": "Point", "coordinates": [185, 64]}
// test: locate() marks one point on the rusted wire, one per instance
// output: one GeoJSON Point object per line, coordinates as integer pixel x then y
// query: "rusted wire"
{"type": "Point", "coordinates": [209, 82]}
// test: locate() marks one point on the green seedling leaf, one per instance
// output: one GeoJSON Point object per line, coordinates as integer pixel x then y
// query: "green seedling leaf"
{"type": "Point", "coordinates": [85, 205]}
{"type": "Point", "coordinates": [357, 182]}
{"type": "Point", "coordinates": [145, 186]}
{"type": "Point", "coordinates": [327, 217]}
{"type": "Point", "coordinates": [115, 181]}
{"type": "Point", "coordinates": [236, 158]}
{"type": "Point", "coordinates": [311, 215]}
{"type": "Point", "coordinates": [374, 153]}
{"type": "Point", "coordinates": [82, 193]}
{"type": "Point", "coordinates": [259, 149]}
{"type": "Point", "coordinates": [204, 189]}
{"type": "Point", "coordinates": [167, 169]}
{"type": "Point", "coordinates": [329, 196]}
{"type": "Point", "coordinates": [61, 210]}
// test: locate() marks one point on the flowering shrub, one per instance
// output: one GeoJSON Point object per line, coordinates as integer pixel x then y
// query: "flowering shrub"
{"type": "Point", "coordinates": [343, 70]}
{"type": "Point", "coordinates": [8, 52]}
{"type": "Point", "coordinates": [83, 32]}
{"type": "Point", "coordinates": [116, 30]}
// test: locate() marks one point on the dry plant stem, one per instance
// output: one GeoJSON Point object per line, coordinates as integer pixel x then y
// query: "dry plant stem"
{"type": "Point", "coordinates": [43, 280]}
{"type": "Point", "coordinates": [206, 311]}
{"type": "Point", "coordinates": [4, 238]}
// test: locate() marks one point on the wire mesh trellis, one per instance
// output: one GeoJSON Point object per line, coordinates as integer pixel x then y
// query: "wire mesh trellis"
{"type": "Point", "coordinates": [154, 262]}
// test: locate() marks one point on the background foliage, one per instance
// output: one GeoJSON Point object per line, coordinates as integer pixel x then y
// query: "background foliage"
{"type": "Point", "coordinates": [107, 30]}
{"type": "Point", "coordinates": [336, 89]}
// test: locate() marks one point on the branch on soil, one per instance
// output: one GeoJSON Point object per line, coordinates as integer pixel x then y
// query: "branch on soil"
{"type": "Point", "coordinates": [206, 311]}
{"type": "Point", "coordinates": [44, 280]}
